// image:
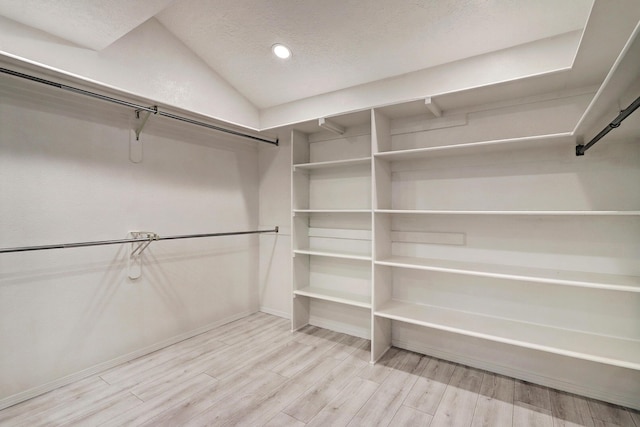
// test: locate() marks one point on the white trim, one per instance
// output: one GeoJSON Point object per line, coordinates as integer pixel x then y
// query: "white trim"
{"type": "Point", "coordinates": [275, 312]}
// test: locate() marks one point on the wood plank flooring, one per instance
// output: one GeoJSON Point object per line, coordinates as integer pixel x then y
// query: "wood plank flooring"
{"type": "Point", "coordinates": [255, 372]}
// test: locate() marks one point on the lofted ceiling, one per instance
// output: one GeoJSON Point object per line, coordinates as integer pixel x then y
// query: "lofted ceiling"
{"type": "Point", "coordinates": [94, 24]}
{"type": "Point", "coordinates": [336, 44]}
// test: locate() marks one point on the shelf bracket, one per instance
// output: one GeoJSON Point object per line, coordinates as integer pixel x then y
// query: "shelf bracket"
{"type": "Point", "coordinates": [136, 250]}
{"type": "Point", "coordinates": [432, 106]}
{"type": "Point", "coordinates": [135, 145]}
{"type": "Point", "coordinates": [144, 120]}
{"type": "Point", "coordinates": [331, 126]}
{"type": "Point", "coordinates": [580, 149]}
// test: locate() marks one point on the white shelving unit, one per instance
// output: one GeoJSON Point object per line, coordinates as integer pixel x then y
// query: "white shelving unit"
{"type": "Point", "coordinates": [331, 223]}
{"type": "Point", "coordinates": [483, 228]}
{"type": "Point", "coordinates": [530, 229]}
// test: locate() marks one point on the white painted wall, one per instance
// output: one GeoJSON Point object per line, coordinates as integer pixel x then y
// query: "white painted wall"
{"type": "Point", "coordinates": [65, 176]}
{"type": "Point", "coordinates": [148, 62]}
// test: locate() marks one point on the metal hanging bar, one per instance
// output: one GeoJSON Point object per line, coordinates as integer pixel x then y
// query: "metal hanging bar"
{"type": "Point", "coordinates": [148, 238]}
{"type": "Point", "coordinates": [153, 110]}
{"type": "Point", "coordinates": [214, 127]}
{"type": "Point", "coordinates": [580, 149]}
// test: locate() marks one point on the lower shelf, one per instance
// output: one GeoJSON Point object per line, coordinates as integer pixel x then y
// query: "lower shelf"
{"type": "Point", "coordinates": [335, 296]}
{"type": "Point", "coordinates": [614, 351]}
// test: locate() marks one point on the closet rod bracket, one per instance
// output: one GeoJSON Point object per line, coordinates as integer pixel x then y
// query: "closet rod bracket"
{"type": "Point", "coordinates": [147, 114]}
{"type": "Point", "coordinates": [140, 241]}
{"type": "Point", "coordinates": [138, 247]}
{"type": "Point", "coordinates": [580, 149]}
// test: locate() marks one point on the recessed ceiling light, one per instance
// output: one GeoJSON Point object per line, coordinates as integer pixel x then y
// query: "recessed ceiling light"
{"type": "Point", "coordinates": [281, 51]}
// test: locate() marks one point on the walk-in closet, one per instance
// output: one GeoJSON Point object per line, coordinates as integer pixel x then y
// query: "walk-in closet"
{"type": "Point", "coordinates": [394, 213]}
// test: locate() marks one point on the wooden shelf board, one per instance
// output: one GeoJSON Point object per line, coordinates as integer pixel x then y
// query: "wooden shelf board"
{"type": "Point", "coordinates": [524, 213]}
{"type": "Point", "coordinates": [478, 147]}
{"type": "Point", "coordinates": [295, 211]}
{"type": "Point", "coordinates": [333, 164]}
{"type": "Point", "coordinates": [610, 282]}
{"type": "Point", "coordinates": [333, 254]}
{"type": "Point", "coordinates": [596, 348]}
{"type": "Point", "coordinates": [335, 296]}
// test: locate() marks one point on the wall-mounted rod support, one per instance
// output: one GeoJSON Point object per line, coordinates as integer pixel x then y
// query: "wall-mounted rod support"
{"type": "Point", "coordinates": [153, 110]}
{"type": "Point", "coordinates": [331, 126]}
{"type": "Point", "coordinates": [432, 106]}
{"type": "Point", "coordinates": [580, 149]}
{"type": "Point", "coordinates": [144, 120]}
{"type": "Point", "coordinates": [147, 238]}
{"type": "Point", "coordinates": [140, 247]}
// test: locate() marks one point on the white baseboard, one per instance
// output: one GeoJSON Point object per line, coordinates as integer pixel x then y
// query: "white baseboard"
{"type": "Point", "coordinates": [273, 312]}
{"type": "Point", "coordinates": [52, 385]}
{"type": "Point", "coordinates": [465, 359]}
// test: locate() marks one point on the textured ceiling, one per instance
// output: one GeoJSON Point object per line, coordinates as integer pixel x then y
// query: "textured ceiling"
{"type": "Point", "coordinates": [89, 23]}
{"type": "Point", "coordinates": [341, 43]}
{"type": "Point", "coordinates": [336, 43]}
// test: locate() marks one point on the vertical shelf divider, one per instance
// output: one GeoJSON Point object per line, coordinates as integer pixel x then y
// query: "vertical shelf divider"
{"type": "Point", "coordinates": [381, 279]}
{"type": "Point", "coordinates": [300, 306]}
{"type": "Point", "coordinates": [299, 180]}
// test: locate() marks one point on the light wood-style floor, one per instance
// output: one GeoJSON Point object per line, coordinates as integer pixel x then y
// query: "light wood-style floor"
{"type": "Point", "coordinates": [255, 372]}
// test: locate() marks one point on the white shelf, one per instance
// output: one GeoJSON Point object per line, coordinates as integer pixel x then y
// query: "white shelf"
{"type": "Point", "coordinates": [333, 164]}
{"type": "Point", "coordinates": [479, 147]}
{"type": "Point", "coordinates": [303, 211]}
{"type": "Point", "coordinates": [333, 254]}
{"type": "Point", "coordinates": [569, 278]}
{"type": "Point", "coordinates": [596, 348]}
{"type": "Point", "coordinates": [524, 213]}
{"type": "Point", "coordinates": [335, 296]}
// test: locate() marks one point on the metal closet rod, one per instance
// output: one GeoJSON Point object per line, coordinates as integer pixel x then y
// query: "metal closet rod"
{"type": "Point", "coordinates": [580, 149]}
{"type": "Point", "coordinates": [150, 238]}
{"type": "Point", "coordinates": [153, 110]}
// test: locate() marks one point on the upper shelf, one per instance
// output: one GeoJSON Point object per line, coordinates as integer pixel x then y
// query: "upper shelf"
{"type": "Point", "coordinates": [311, 211]}
{"type": "Point", "coordinates": [619, 88]}
{"type": "Point", "coordinates": [334, 254]}
{"type": "Point", "coordinates": [333, 164]}
{"type": "Point", "coordinates": [524, 213]}
{"type": "Point", "coordinates": [481, 147]}
{"type": "Point", "coordinates": [610, 282]}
